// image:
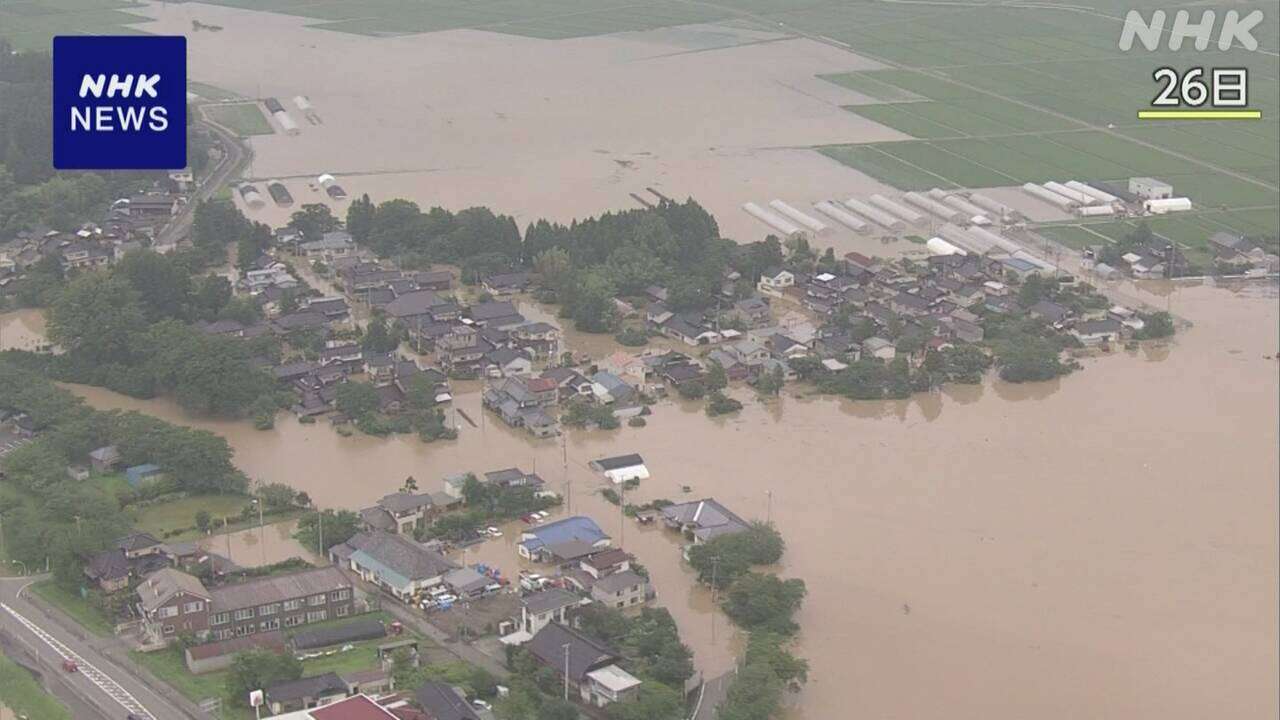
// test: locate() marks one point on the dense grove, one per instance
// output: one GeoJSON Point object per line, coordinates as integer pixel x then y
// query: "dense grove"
{"type": "Point", "coordinates": [31, 192]}
{"type": "Point", "coordinates": [49, 515]}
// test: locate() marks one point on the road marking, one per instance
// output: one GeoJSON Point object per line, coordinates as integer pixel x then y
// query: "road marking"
{"type": "Point", "coordinates": [96, 676]}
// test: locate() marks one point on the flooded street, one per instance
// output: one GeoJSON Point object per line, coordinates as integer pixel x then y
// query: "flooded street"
{"type": "Point", "coordinates": [1099, 546]}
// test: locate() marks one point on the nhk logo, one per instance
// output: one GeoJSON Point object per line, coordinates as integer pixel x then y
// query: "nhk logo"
{"type": "Point", "coordinates": [119, 103]}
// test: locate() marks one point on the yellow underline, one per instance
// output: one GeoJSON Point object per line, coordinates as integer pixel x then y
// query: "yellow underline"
{"type": "Point", "coordinates": [1199, 114]}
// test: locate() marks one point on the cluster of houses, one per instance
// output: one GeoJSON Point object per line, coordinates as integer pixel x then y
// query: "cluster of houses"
{"type": "Point", "coordinates": [132, 223]}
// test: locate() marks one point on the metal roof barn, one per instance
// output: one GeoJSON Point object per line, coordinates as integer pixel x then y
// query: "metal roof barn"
{"type": "Point", "coordinates": [771, 219]}
{"type": "Point", "coordinates": [963, 240]}
{"type": "Point", "coordinates": [840, 216]}
{"type": "Point", "coordinates": [997, 240]}
{"type": "Point", "coordinates": [898, 209]}
{"type": "Point", "coordinates": [930, 205]}
{"type": "Point", "coordinates": [1050, 196]}
{"type": "Point", "coordinates": [812, 223]}
{"type": "Point", "coordinates": [875, 214]}
{"type": "Point", "coordinates": [1080, 197]}
{"type": "Point", "coordinates": [992, 205]}
{"type": "Point", "coordinates": [1092, 192]}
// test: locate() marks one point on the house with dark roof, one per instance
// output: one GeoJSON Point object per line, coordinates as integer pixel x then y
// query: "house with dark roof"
{"type": "Point", "coordinates": [306, 692]}
{"type": "Point", "coordinates": [589, 665]}
{"type": "Point", "coordinates": [703, 519]}
{"type": "Point", "coordinates": [1098, 332]}
{"type": "Point", "coordinates": [506, 283]}
{"type": "Point", "coordinates": [539, 609]}
{"type": "Point", "coordinates": [495, 314]}
{"type": "Point", "coordinates": [443, 702]}
{"type": "Point", "coordinates": [395, 563]}
{"type": "Point", "coordinates": [399, 512]}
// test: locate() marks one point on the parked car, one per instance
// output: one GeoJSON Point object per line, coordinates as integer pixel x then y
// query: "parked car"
{"type": "Point", "coordinates": [479, 704]}
{"type": "Point", "coordinates": [493, 532]}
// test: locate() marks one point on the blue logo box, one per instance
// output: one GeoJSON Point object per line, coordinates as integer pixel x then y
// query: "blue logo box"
{"type": "Point", "coordinates": [119, 102]}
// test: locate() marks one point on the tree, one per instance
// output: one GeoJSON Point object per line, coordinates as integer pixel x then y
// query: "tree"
{"type": "Point", "coordinates": [278, 496]}
{"type": "Point", "coordinates": [163, 285]}
{"type": "Point", "coordinates": [337, 527]}
{"type": "Point", "coordinates": [256, 669]}
{"type": "Point", "coordinates": [754, 694]}
{"type": "Point", "coordinates": [720, 404]}
{"type": "Point", "coordinates": [759, 601]}
{"type": "Point", "coordinates": [716, 379]}
{"type": "Point", "coordinates": [360, 218]}
{"type": "Point", "coordinates": [313, 220]}
{"type": "Point", "coordinates": [768, 648]}
{"type": "Point", "coordinates": [728, 556]}
{"type": "Point", "coordinates": [1156, 325]}
{"type": "Point", "coordinates": [97, 315]}
{"type": "Point", "coordinates": [557, 709]}
{"type": "Point", "coordinates": [770, 383]}
{"type": "Point", "coordinates": [356, 399]}
{"type": "Point", "coordinates": [652, 701]}
{"type": "Point", "coordinates": [203, 519]}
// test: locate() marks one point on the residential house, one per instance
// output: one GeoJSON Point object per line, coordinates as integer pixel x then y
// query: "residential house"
{"type": "Point", "coordinates": [569, 382]}
{"type": "Point", "coordinates": [1098, 332]}
{"type": "Point", "coordinates": [578, 658]}
{"type": "Point", "coordinates": [539, 609]}
{"type": "Point", "coordinates": [545, 542]}
{"type": "Point", "coordinates": [173, 603]}
{"type": "Point", "coordinates": [443, 702]}
{"type": "Point", "coordinates": [393, 562]}
{"type": "Point", "coordinates": [507, 362]}
{"type": "Point", "coordinates": [752, 311]}
{"type": "Point", "coordinates": [539, 339]}
{"type": "Point", "coordinates": [703, 519]}
{"type": "Point", "coordinates": [505, 284]}
{"type": "Point", "coordinates": [496, 314]}
{"type": "Point", "coordinates": [878, 347]}
{"type": "Point", "coordinates": [399, 512]}
{"type": "Point", "coordinates": [621, 589]}
{"type": "Point", "coordinates": [611, 389]}
{"type": "Point", "coordinates": [337, 243]}
{"type": "Point", "coordinates": [306, 692]}
{"type": "Point", "coordinates": [774, 282]}
{"type": "Point", "coordinates": [215, 656]}
{"type": "Point", "coordinates": [104, 459]}
{"type": "Point", "coordinates": [1051, 312]}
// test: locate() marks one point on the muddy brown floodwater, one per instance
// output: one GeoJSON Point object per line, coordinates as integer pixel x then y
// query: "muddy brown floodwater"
{"type": "Point", "coordinates": [1100, 546]}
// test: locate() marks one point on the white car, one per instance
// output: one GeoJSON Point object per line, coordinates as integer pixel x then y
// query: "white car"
{"type": "Point", "coordinates": [493, 532]}
{"type": "Point", "coordinates": [479, 704]}
{"type": "Point", "coordinates": [542, 515]}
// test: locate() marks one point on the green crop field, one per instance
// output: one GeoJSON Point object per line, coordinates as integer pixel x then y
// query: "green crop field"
{"type": "Point", "coordinates": [31, 24]}
{"type": "Point", "coordinates": [244, 119]}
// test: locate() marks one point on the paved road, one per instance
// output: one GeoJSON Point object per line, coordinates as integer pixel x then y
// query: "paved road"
{"type": "Point", "coordinates": [235, 154]}
{"type": "Point", "coordinates": [52, 679]}
{"type": "Point", "coordinates": [113, 689]}
{"type": "Point", "coordinates": [714, 692]}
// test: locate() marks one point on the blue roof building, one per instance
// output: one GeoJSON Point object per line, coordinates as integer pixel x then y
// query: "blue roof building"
{"type": "Point", "coordinates": [566, 539]}
{"type": "Point", "coordinates": [138, 474]}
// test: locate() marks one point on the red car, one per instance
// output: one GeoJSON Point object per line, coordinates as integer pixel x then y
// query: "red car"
{"type": "Point", "coordinates": [70, 665]}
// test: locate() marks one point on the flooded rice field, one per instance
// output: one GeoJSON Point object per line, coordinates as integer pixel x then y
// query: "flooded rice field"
{"type": "Point", "coordinates": [1099, 546]}
{"type": "Point", "coordinates": [467, 117]}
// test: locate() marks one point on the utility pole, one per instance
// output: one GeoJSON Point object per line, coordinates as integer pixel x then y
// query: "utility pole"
{"type": "Point", "coordinates": [262, 539]}
{"type": "Point", "coordinates": [320, 531]}
{"type": "Point", "coordinates": [568, 484]}
{"type": "Point", "coordinates": [227, 533]}
{"type": "Point", "coordinates": [768, 513]}
{"type": "Point", "coordinates": [622, 514]}
{"type": "Point", "coordinates": [566, 672]}
{"type": "Point", "coordinates": [715, 571]}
